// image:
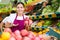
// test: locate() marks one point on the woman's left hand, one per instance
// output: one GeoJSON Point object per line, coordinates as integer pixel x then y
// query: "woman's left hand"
{"type": "Point", "coordinates": [28, 24]}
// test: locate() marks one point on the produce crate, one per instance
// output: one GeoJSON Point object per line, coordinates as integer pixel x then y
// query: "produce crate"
{"type": "Point", "coordinates": [53, 33]}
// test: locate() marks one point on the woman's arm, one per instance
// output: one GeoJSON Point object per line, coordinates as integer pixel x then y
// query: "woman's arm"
{"type": "Point", "coordinates": [1, 24]}
{"type": "Point", "coordinates": [7, 24]}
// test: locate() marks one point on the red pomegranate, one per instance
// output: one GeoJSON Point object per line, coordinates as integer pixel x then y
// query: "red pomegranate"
{"type": "Point", "coordinates": [26, 38]}
{"type": "Point", "coordinates": [13, 35]}
{"type": "Point", "coordinates": [7, 30]}
{"type": "Point", "coordinates": [24, 32]}
{"type": "Point", "coordinates": [31, 35]}
{"type": "Point", "coordinates": [36, 38]}
{"type": "Point", "coordinates": [17, 32]}
{"type": "Point", "coordinates": [12, 38]}
{"type": "Point", "coordinates": [18, 37]}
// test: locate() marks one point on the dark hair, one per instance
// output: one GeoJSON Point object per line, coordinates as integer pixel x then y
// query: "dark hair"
{"type": "Point", "coordinates": [13, 11]}
{"type": "Point", "coordinates": [21, 3]}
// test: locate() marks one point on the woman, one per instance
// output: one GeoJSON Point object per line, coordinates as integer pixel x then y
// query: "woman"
{"type": "Point", "coordinates": [17, 21]}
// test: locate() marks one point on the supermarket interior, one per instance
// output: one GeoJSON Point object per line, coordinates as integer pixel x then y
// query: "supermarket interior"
{"type": "Point", "coordinates": [29, 19]}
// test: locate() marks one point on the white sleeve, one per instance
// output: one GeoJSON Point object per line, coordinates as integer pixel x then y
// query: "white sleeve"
{"type": "Point", "coordinates": [5, 19]}
{"type": "Point", "coordinates": [11, 18]}
{"type": "Point", "coordinates": [12, 14]}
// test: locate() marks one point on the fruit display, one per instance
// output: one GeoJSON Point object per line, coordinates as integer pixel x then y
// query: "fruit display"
{"type": "Point", "coordinates": [58, 24]}
{"type": "Point", "coordinates": [47, 23]}
{"type": "Point", "coordinates": [6, 8]}
{"type": "Point", "coordinates": [24, 32]}
{"type": "Point", "coordinates": [41, 25]}
{"type": "Point", "coordinates": [57, 30]}
{"type": "Point", "coordinates": [2, 5]}
{"type": "Point", "coordinates": [58, 9]}
{"type": "Point", "coordinates": [28, 2]}
{"type": "Point", "coordinates": [5, 36]}
{"type": "Point", "coordinates": [22, 35]}
{"type": "Point", "coordinates": [44, 26]}
{"type": "Point", "coordinates": [48, 10]}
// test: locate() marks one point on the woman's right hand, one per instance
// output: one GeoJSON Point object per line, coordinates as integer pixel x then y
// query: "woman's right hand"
{"type": "Point", "coordinates": [7, 24]}
{"type": "Point", "coordinates": [15, 24]}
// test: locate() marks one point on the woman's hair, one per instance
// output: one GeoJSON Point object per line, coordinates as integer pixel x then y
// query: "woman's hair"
{"type": "Point", "coordinates": [21, 3]}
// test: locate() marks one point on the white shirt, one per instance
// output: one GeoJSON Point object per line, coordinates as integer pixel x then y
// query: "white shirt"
{"type": "Point", "coordinates": [13, 16]}
{"type": "Point", "coordinates": [5, 19]}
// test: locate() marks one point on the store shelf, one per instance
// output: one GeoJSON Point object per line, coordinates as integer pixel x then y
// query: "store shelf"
{"type": "Point", "coordinates": [54, 15]}
{"type": "Point", "coordinates": [38, 29]}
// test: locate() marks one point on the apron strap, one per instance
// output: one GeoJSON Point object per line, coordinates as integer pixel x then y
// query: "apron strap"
{"type": "Point", "coordinates": [23, 18]}
{"type": "Point", "coordinates": [16, 16]}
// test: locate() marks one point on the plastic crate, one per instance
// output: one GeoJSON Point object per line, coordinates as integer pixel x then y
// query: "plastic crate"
{"type": "Point", "coordinates": [53, 33]}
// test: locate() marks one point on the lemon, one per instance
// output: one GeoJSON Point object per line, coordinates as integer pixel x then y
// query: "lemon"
{"type": "Point", "coordinates": [1, 39]}
{"type": "Point", "coordinates": [35, 33]}
{"type": "Point", "coordinates": [40, 32]}
{"type": "Point", "coordinates": [5, 35]}
{"type": "Point", "coordinates": [44, 31]}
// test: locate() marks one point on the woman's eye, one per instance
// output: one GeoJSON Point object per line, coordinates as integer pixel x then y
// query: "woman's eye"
{"type": "Point", "coordinates": [19, 7]}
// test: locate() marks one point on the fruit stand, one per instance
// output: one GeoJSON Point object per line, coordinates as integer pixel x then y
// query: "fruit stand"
{"type": "Point", "coordinates": [45, 26]}
{"type": "Point", "coordinates": [40, 28]}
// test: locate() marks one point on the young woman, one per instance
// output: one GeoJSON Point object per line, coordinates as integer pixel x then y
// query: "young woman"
{"type": "Point", "coordinates": [17, 21]}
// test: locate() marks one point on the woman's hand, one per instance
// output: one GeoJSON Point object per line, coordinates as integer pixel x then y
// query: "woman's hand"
{"type": "Point", "coordinates": [28, 24]}
{"type": "Point", "coordinates": [15, 24]}
{"type": "Point", "coordinates": [7, 24]}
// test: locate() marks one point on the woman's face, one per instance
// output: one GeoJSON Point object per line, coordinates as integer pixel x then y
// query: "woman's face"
{"type": "Point", "coordinates": [20, 8]}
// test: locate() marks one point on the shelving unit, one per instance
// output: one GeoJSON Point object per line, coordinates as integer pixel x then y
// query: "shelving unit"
{"type": "Point", "coordinates": [41, 29]}
{"type": "Point", "coordinates": [53, 15]}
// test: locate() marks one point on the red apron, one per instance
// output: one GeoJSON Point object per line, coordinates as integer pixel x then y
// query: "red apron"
{"type": "Point", "coordinates": [20, 26]}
